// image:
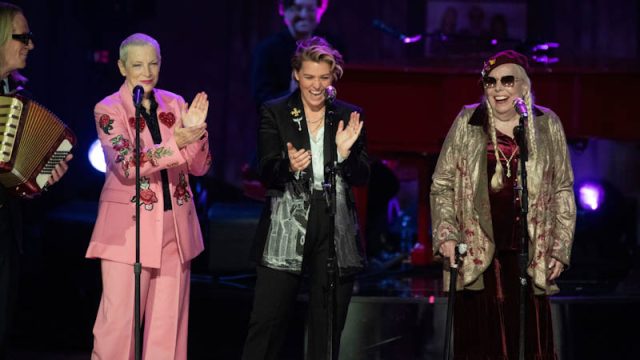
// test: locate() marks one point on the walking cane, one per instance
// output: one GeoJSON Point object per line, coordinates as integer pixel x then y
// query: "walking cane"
{"type": "Point", "coordinates": [461, 249]}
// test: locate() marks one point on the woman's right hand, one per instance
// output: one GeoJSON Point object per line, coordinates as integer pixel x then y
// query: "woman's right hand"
{"type": "Point", "coordinates": [448, 250]}
{"type": "Point", "coordinates": [298, 159]}
{"type": "Point", "coordinates": [196, 113]}
{"type": "Point", "coordinates": [188, 135]}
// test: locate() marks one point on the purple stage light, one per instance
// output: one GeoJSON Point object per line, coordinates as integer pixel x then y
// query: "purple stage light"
{"type": "Point", "coordinates": [411, 39]}
{"type": "Point", "coordinates": [544, 59]}
{"type": "Point", "coordinates": [545, 46]}
{"type": "Point", "coordinates": [591, 196]}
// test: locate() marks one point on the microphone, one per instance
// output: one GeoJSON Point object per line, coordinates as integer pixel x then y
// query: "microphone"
{"type": "Point", "coordinates": [138, 91]}
{"type": "Point", "coordinates": [521, 107]}
{"type": "Point", "coordinates": [330, 94]}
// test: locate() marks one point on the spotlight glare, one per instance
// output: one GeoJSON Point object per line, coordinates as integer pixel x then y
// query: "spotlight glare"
{"type": "Point", "coordinates": [96, 156]}
{"type": "Point", "coordinates": [591, 196]}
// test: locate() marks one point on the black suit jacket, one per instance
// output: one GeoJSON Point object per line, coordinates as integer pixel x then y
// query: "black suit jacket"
{"type": "Point", "coordinates": [277, 127]}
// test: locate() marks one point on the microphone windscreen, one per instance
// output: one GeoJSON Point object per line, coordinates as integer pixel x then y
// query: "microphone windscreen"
{"type": "Point", "coordinates": [521, 107]}
{"type": "Point", "coordinates": [138, 91]}
{"type": "Point", "coordinates": [330, 94]}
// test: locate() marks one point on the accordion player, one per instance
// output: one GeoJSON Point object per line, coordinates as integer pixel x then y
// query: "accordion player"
{"type": "Point", "coordinates": [33, 141]}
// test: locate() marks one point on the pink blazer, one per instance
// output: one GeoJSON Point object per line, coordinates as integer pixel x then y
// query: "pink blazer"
{"type": "Point", "coordinates": [114, 232]}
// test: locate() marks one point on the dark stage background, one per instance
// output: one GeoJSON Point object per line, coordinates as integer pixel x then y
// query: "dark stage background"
{"type": "Point", "coordinates": [207, 45]}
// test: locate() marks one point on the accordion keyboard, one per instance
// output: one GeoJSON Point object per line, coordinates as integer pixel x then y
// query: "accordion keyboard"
{"type": "Point", "coordinates": [58, 155]}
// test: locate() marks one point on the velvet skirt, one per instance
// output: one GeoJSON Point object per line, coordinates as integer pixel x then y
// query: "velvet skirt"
{"type": "Point", "coordinates": [487, 322]}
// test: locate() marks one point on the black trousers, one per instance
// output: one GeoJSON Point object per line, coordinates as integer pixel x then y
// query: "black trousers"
{"type": "Point", "coordinates": [9, 257]}
{"type": "Point", "coordinates": [276, 291]}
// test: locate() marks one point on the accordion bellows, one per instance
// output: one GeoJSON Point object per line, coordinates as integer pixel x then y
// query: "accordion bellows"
{"type": "Point", "coordinates": [32, 142]}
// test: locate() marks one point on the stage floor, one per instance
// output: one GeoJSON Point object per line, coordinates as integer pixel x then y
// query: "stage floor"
{"type": "Point", "coordinates": [394, 314]}
{"type": "Point", "coordinates": [398, 313]}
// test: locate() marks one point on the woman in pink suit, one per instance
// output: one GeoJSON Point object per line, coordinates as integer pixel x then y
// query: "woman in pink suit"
{"type": "Point", "coordinates": [174, 144]}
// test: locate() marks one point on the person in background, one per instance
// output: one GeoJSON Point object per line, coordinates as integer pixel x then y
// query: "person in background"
{"type": "Point", "coordinates": [474, 201]}
{"type": "Point", "coordinates": [271, 66]}
{"type": "Point", "coordinates": [174, 144]}
{"type": "Point", "coordinates": [16, 41]}
{"type": "Point", "coordinates": [293, 236]}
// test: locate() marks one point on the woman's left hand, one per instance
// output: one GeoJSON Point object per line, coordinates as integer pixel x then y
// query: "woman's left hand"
{"type": "Point", "coordinates": [555, 268]}
{"type": "Point", "coordinates": [197, 112]}
{"type": "Point", "coordinates": [347, 136]}
{"type": "Point", "coordinates": [59, 170]}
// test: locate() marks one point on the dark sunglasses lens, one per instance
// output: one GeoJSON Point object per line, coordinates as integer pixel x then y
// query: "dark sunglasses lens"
{"type": "Point", "coordinates": [23, 38]}
{"type": "Point", "coordinates": [489, 81]}
{"type": "Point", "coordinates": [508, 80]}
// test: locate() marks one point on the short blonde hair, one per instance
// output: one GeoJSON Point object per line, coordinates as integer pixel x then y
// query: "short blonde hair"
{"type": "Point", "coordinates": [317, 49]}
{"type": "Point", "coordinates": [138, 39]}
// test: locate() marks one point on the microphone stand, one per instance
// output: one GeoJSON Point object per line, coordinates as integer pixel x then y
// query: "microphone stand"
{"type": "Point", "coordinates": [330, 195]}
{"type": "Point", "coordinates": [523, 258]}
{"type": "Point", "coordinates": [137, 266]}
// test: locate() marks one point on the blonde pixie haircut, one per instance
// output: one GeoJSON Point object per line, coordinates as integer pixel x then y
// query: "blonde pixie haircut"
{"type": "Point", "coordinates": [496, 181]}
{"type": "Point", "coordinates": [138, 39]}
{"type": "Point", "coordinates": [317, 49]}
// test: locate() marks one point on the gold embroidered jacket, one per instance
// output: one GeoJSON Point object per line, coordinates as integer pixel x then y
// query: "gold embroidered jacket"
{"type": "Point", "coordinates": [460, 197]}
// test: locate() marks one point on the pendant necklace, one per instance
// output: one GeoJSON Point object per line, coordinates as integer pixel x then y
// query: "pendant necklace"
{"type": "Point", "coordinates": [508, 160]}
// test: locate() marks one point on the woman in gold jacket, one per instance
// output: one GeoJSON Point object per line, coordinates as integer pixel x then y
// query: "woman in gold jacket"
{"type": "Point", "coordinates": [473, 201]}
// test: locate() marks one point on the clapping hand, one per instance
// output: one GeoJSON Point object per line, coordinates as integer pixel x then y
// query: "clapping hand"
{"type": "Point", "coordinates": [298, 159]}
{"type": "Point", "coordinates": [188, 135]}
{"type": "Point", "coordinates": [347, 136]}
{"type": "Point", "coordinates": [195, 114]}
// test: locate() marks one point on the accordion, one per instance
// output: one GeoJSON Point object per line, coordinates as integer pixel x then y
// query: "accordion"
{"type": "Point", "coordinates": [32, 142]}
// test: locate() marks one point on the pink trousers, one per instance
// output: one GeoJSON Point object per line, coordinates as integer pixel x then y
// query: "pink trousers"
{"type": "Point", "coordinates": [164, 306]}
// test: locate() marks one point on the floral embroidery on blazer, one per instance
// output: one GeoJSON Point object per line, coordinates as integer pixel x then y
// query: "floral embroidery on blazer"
{"type": "Point", "coordinates": [147, 196]}
{"type": "Point", "coordinates": [113, 235]}
{"type": "Point", "coordinates": [182, 194]}
{"type": "Point", "coordinates": [105, 123]}
{"type": "Point", "coordinates": [143, 123]}
{"type": "Point", "coordinates": [460, 198]}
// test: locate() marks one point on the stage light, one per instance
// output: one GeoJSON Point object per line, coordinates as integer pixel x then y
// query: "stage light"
{"type": "Point", "coordinates": [545, 46]}
{"type": "Point", "coordinates": [96, 156]}
{"type": "Point", "coordinates": [411, 39]}
{"type": "Point", "coordinates": [591, 196]}
{"type": "Point", "coordinates": [604, 238]}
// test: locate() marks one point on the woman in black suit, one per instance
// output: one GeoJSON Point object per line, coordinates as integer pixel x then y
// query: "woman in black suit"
{"type": "Point", "coordinates": [301, 137]}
